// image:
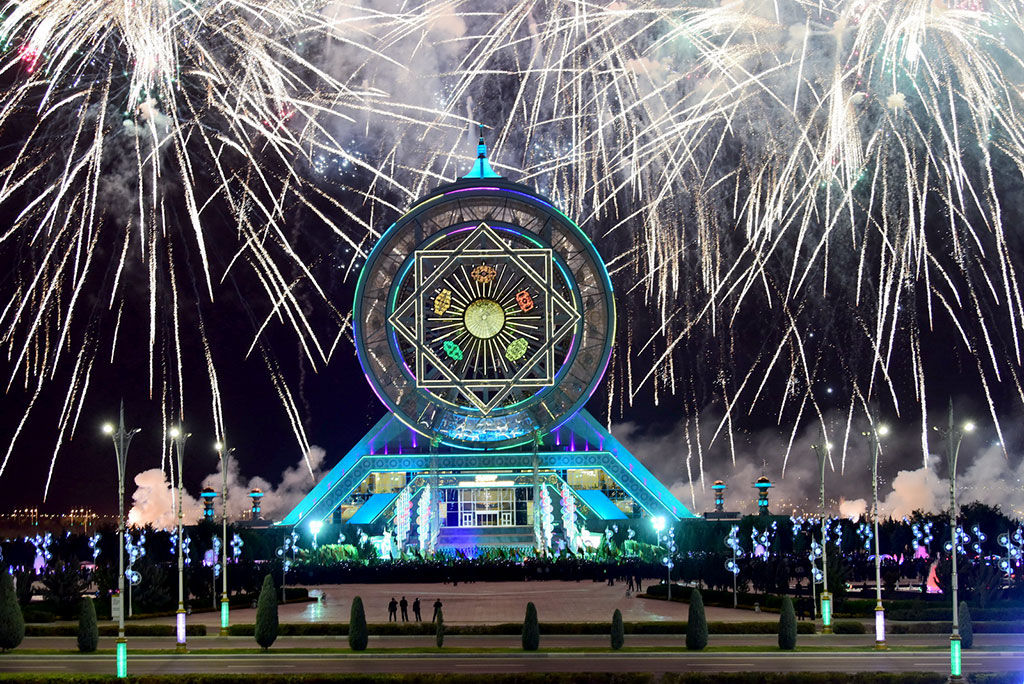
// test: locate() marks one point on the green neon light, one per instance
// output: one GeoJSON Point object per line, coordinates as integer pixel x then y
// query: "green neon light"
{"type": "Point", "coordinates": [224, 614]}
{"type": "Point", "coordinates": [826, 610]}
{"type": "Point", "coordinates": [122, 658]}
{"type": "Point", "coordinates": [954, 656]}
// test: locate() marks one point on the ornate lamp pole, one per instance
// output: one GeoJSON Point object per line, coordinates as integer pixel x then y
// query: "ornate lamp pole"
{"type": "Point", "coordinates": [122, 438]}
{"type": "Point", "coordinates": [822, 451]}
{"type": "Point", "coordinates": [873, 435]}
{"type": "Point", "coordinates": [954, 436]}
{"type": "Point", "coordinates": [225, 454]}
{"type": "Point", "coordinates": [180, 436]}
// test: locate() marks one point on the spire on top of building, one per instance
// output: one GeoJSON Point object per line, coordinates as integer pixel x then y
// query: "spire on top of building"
{"type": "Point", "coordinates": [481, 167]}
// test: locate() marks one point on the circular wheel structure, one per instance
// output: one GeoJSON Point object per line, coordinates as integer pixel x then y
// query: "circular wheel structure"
{"type": "Point", "coordinates": [484, 316]}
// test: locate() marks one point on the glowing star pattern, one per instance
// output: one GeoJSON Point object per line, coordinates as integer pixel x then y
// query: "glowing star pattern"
{"type": "Point", "coordinates": [524, 300]}
{"type": "Point", "coordinates": [492, 319]}
{"type": "Point", "coordinates": [483, 274]}
{"type": "Point", "coordinates": [442, 302]}
{"type": "Point", "coordinates": [453, 350]}
{"type": "Point", "coordinates": [516, 349]}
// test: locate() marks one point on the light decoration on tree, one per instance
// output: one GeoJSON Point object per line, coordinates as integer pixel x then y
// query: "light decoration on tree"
{"type": "Point", "coordinates": [866, 535]}
{"type": "Point", "coordinates": [403, 518]}
{"type": "Point", "coordinates": [962, 539]}
{"type": "Point", "coordinates": [94, 544]}
{"type": "Point", "coordinates": [979, 539]}
{"type": "Point", "coordinates": [136, 551]}
{"type": "Point", "coordinates": [423, 520]}
{"type": "Point", "coordinates": [569, 518]}
{"type": "Point", "coordinates": [42, 544]}
{"type": "Point", "coordinates": [1013, 545]}
{"type": "Point", "coordinates": [547, 518]}
{"type": "Point", "coordinates": [798, 524]}
{"type": "Point", "coordinates": [236, 546]}
{"type": "Point", "coordinates": [813, 555]}
{"type": "Point", "coordinates": [733, 542]}
{"type": "Point", "coordinates": [216, 556]}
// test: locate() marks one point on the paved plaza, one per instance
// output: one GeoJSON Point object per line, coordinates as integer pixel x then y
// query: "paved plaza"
{"type": "Point", "coordinates": [486, 603]}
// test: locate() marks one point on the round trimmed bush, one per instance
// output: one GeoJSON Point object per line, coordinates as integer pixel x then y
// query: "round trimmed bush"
{"type": "Point", "coordinates": [531, 629]}
{"type": "Point", "coordinates": [266, 615]}
{"type": "Point", "coordinates": [697, 623]}
{"type": "Point", "coordinates": [618, 630]}
{"type": "Point", "coordinates": [966, 627]}
{"type": "Point", "coordinates": [88, 630]}
{"type": "Point", "coordinates": [12, 624]}
{"type": "Point", "coordinates": [358, 635]}
{"type": "Point", "coordinates": [787, 625]}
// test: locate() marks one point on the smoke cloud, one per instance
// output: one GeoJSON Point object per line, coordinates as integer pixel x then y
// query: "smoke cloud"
{"type": "Point", "coordinates": [906, 484]}
{"type": "Point", "coordinates": [154, 498]}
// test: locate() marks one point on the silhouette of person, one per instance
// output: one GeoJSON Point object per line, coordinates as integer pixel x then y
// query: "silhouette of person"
{"type": "Point", "coordinates": [393, 610]}
{"type": "Point", "coordinates": [437, 609]}
{"type": "Point", "coordinates": [416, 609]}
{"type": "Point", "coordinates": [405, 609]}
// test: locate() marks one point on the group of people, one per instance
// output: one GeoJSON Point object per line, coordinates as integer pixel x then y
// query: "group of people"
{"type": "Point", "coordinates": [394, 605]}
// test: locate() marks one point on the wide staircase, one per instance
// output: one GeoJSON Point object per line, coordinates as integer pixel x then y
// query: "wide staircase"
{"type": "Point", "coordinates": [466, 538]}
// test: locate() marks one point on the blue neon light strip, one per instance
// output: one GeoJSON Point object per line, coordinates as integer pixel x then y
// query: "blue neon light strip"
{"type": "Point", "coordinates": [601, 504]}
{"type": "Point", "coordinates": [369, 511]}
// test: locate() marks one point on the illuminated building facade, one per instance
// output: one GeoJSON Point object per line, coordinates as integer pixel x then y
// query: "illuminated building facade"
{"type": "Point", "coordinates": [484, 320]}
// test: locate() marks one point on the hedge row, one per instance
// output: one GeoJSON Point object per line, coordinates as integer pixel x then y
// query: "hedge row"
{"type": "Point", "coordinates": [1015, 627]}
{"type": "Point", "coordinates": [111, 630]}
{"type": "Point", "coordinates": [536, 678]}
{"type": "Point", "coordinates": [929, 614]}
{"type": "Point", "coordinates": [510, 628]}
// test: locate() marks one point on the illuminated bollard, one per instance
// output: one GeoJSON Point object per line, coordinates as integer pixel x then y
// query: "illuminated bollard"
{"type": "Point", "coordinates": [180, 631]}
{"type": "Point", "coordinates": [224, 613]}
{"type": "Point", "coordinates": [826, 612]}
{"type": "Point", "coordinates": [122, 657]}
{"type": "Point", "coordinates": [954, 658]}
{"type": "Point", "coordinates": [880, 627]}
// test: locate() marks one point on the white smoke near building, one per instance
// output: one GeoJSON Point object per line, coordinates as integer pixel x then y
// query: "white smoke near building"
{"type": "Point", "coordinates": [154, 500]}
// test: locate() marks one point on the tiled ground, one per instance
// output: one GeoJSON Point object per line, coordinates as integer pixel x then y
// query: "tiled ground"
{"type": "Point", "coordinates": [490, 602]}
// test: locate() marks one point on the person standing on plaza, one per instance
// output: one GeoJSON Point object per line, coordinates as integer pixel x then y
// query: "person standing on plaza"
{"type": "Point", "coordinates": [416, 609]}
{"type": "Point", "coordinates": [437, 609]}
{"type": "Point", "coordinates": [405, 609]}
{"type": "Point", "coordinates": [393, 610]}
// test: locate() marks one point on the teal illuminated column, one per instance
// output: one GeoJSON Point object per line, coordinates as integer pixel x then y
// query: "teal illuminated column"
{"type": "Point", "coordinates": [763, 484]}
{"type": "Point", "coordinates": [954, 657]}
{"type": "Point", "coordinates": [122, 657]}
{"type": "Point", "coordinates": [719, 489]}
{"type": "Point", "coordinates": [826, 612]}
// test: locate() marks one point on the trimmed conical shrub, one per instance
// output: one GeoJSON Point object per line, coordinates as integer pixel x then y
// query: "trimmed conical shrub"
{"type": "Point", "coordinates": [531, 629]}
{"type": "Point", "coordinates": [440, 628]}
{"type": "Point", "coordinates": [697, 623]}
{"type": "Point", "coordinates": [966, 628]}
{"type": "Point", "coordinates": [357, 633]}
{"type": "Point", "coordinates": [618, 630]}
{"type": "Point", "coordinates": [787, 625]}
{"type": "Point", "coordinates": [266, 615]}
{"type": "Point", "coordinates": [12, 623]}
{"type": "Point", "coordinates": [88, 630]}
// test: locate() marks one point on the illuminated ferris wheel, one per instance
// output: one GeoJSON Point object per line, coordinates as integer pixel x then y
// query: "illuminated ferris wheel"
{"type": "Point", "coordinates": [484, 315]}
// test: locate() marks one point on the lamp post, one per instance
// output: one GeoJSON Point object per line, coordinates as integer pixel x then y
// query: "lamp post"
{"type": "Point", "coordinates": [954, 436]}
{"type": "Point", "coordinates": [225, 454]}
{"type": "Point", "coordinates": [873, 437]}
{"type": "Point", "coordinates": [122, 438]}
{"type": "Point", "coordinates": [659, 525]}
{"type": "Point", "coordinates": [180, 436]}
{"type": "Point", "coordinates": [822, 451]}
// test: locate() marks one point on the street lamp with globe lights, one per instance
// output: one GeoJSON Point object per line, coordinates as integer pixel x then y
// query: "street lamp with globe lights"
{"type": "Point", "coordinates": [315, 526]}
{"type": "Point", "coordinates": [225, 619]}
{"type": "Point", "coordinates": [874, 435]}
{"type": "Point", "coordinates": [954, 436]}
{"type": "Point", "coordinates": [659, 526]}
{"type": "Point", "coordinates": [823, 451]}
{"type": "Point", "coordinates": [122, 438]}
{"type": "Point", "coordinates": [179, 437]}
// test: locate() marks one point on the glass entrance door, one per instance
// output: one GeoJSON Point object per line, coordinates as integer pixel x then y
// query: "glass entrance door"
{"type": "Point", "coordinates": [486, 507]}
